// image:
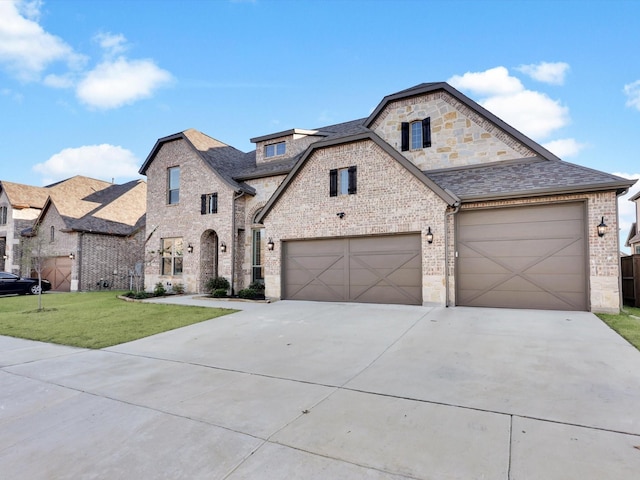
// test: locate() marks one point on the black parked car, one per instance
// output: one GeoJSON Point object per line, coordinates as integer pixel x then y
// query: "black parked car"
{"type": "Point", "coordinates": [10, 283]}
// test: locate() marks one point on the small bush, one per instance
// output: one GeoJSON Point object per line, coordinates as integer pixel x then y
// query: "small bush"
{"type": "Point", "coordinates": [220, 293]}
{"type": "Point", "coordinates": [178, 288]}
{"type": "Point", "coordinates": [257, 286]}
{"type": "Point", "coordinates": [217, 283]}
{"type": "Point", "coordinates": [159, 290]}
{"type": "Point", "coordinates": [247, 293]}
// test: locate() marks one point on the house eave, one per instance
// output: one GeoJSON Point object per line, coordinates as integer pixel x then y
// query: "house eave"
{"type": "Point", "coordinates": [620, 189]}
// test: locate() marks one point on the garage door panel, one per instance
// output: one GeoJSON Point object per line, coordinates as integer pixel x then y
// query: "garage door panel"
{"type": "Point", "coordinates": [381, 269]}
{"type": "Point", "coordinates": [523, 257]}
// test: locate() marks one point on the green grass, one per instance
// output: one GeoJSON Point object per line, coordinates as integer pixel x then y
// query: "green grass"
{"type": "Point", "coordinates": [624, 323]}
{"type": "Point", "coordinates": [94, 319]}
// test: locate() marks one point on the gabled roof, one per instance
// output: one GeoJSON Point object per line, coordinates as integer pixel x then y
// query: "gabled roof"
{"type": "Point", "coordinates": [525, 178]}
{"type": "Point", "coordinates": [24, 196]}
{"type": "Point", "coordinates": [425, 88]}
{"type": "Point", "coordinates": [222, 159]}
{"type": "Point", "coordinates": [633, 236]}
{"type": "Point", "coordinates": [113, 210]}
{"type": "Point", "coordinates": [444, 194]}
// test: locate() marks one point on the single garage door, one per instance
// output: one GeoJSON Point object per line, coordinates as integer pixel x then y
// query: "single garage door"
{"type": "Point", "coordinates": [380, 269]}
{"type": "Point", "coordinates": [523, 257]}
{"type": "Point", "coordinates": [58, 271]}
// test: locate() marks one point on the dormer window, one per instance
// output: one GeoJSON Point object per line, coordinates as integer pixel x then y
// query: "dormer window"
{"type": "Point", "coordinates": [275, 149]}
{"type": "Point", "coordinates": [416, 135]}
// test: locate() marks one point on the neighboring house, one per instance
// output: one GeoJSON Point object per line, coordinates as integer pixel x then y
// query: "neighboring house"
{"type": "Point", "coordinates": [430, 200]}
{"type": "Point", "coordinates": [633, 239]}
{"type": "Point", "coordinates": [20, 205]}
{"type": "Point", "coordinates": [82, 233]}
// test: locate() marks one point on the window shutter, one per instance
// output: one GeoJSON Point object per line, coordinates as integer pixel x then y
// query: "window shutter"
{"type": "Point", "coordinates": [353, 180]}
{"type": "Point", "coordinates": [405, 136]}
{"type": "Point", "coordinates": [203, 204]}
{"type": "Point", "coordinates": [214, 202]}
{"type": "Point", "coordinates": [426, 132]}
{"type": "Point", "coordinates": [333, 183]}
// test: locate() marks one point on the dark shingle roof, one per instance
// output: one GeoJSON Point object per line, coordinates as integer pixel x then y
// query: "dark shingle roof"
{"type": "Point", "coordinates": [525, 177]}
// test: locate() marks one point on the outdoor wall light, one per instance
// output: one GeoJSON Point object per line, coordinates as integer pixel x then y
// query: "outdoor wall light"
{"type": "Point", "coordinates": [5, 257]}
{"type": "Point", "coordinates": [270, 244]}
{"type": "Point", "coordinates": [223, 247]}
{"type": "Point", "coordinates": [190, 248]}
{"type": "Point", "coordinates": [72, 256]}
{"type": "Point", "coordinates": [602, 228]}
{"type": "Point", "coordinates": [429, 235]}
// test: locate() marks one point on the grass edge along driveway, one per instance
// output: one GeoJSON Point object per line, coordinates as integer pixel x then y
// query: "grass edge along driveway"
{"type": "Point", "coordinates": [626, 324]}
{"type": "Point", "coordinates": [94, 319]}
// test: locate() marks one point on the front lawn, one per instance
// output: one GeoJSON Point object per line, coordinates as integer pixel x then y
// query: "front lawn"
{"type": "Point", "coordinates": [94, 319]}
{"type": "Point", "coordinates": [625, 324]}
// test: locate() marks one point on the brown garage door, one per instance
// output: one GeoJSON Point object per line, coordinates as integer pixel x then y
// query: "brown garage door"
{"type": "Point", "coordinates": [523, 257]}
{"type": "Point", "coordinates": [58, 271]}
{"type": "Point", "coordinates": [381, 269]}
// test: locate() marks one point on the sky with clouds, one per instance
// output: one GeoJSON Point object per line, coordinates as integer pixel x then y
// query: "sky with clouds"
{"type": "Point", "coordinates": [87, 87]}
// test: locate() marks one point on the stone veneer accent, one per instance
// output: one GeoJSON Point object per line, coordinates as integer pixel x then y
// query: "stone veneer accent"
{"type": "Point", "coordinates": [459, 136]}
{"type": "Point", "coordinates": [389, 200]}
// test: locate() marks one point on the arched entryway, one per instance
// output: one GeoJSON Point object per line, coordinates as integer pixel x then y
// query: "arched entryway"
{"type": "Point", "coordinates": [208, 257]}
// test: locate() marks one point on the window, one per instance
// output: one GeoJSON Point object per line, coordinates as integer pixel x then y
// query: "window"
{"type": "Point", "coordinates": [416, 135]}
{"type": "Point", "coordinates": [343, 181]}
{"type": "Point", "coordinates": [3, 215]}
{"type": "Point", "coordinates": [275, 149]}
{"type": "Point", "coordinates": [208, 203]}
{"type": "Point", "coordinates": [173, 185]}
{"type": "Point", "coordinates": [637, 249]}
{"type": "Point", "coordinates": [52, 235]}
{"type": "Point", "coordinates": [257, 274]}
{"type": "Point", "coordinates": [172, 250]}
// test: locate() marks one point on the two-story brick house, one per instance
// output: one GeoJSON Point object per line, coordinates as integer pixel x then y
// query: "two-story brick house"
{"type": "Point", "coordinates": [431, 199]}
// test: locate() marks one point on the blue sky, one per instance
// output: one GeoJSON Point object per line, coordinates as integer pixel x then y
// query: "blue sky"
{"type": "Point", "coordinates": [87, 87]}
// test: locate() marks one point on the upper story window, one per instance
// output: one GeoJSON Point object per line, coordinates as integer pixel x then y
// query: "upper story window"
{"type": "Point", "coordinates": [275, 149]}
{"type": "Point", "coordinates": [172, 250]}
{"type": "Point", "coordinates": [416, 135]}
{"type": "Point", "coordinates": [208, 203]}
{"type": "Point", "coordinates": [343, 181]}
{"type": "Point", "coordinates": [637, 250]}
{"type": "Point", "coordinates": [173, 185]}
{"type": "Point", "coordinates": [3, 215]}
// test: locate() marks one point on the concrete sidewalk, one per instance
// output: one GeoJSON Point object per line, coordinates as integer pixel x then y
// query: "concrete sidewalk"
{"type": "Point", "coordinates": [324, 390]}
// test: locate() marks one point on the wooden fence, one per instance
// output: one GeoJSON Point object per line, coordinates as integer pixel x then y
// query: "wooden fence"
{"type": "Point", "coordinates": [630, 267]}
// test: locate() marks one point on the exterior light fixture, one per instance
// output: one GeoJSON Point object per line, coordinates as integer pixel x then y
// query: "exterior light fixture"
{"type": "Point", "coordinates": [429, 235]}
{"type": "Point", "coordinates": [602, 228]}
{"type": "Point", "coordinates": [5, 257]}
{"type": "Point", "coordinates": [223, 247]}
{"type": "Point", "coordinates": [190, 248]}
{"type": "Point", "coordinates": [270, 244]}
{"type": "Point", "coordinates": [72, 256]}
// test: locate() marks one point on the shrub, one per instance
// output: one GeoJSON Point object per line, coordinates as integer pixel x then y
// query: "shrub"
{"type": "Point", "coordinates": [220, 293]}
{"type": "Point", "coordinates": [257, 286]}
{"type": "Point", "coordinates": [178, 288]}
{"type": "Point", "coordinates": [247, 293]}
{"type": "Point", "coordinates": [217, 283]}
{"type": "Point", "coordinates": [159, 290]}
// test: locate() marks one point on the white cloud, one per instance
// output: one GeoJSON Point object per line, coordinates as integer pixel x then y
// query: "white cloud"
{"type": "Point", "coordinates": [552, 73]}
{"type": "Point", "coordinates": [531, 112]}
{"type": "Point", "coordinates": [495, 81]}
{"type": "Point", "coordinates": [565, 147]}
{"type": "Point", "coordinates": [26, 50]}
{"type": "Point", "coordinates": [111, 43]}
{"type": "Point", "coordinates": [627, 209]}
{"type": "Point", "coordinates": [632, 91]}
{"type": "Point", "coordinates": [103, 162]}
{"type": "Point", "coordinates": [119, 82]}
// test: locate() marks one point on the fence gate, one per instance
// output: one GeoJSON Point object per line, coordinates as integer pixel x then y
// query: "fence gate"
{"type": "Point", "coordinates": [630, 267]}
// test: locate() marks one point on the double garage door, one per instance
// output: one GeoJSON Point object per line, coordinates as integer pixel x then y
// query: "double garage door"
{"type": "Point", "coordinates": [523, 257]}
{"type": "Point", "coordinates": [380, 269]}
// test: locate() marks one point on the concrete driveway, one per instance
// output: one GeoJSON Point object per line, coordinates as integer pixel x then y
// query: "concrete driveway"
{"type": "Point", "coordinates": [330, 391]}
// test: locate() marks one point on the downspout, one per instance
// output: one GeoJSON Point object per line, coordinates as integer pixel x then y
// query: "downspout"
{"type": "Point", "coordinates": [233, 241]}
{"type": "Point", "coordinates": [621, 300]}
{"type": "Point", "coordinates": [447, 214]}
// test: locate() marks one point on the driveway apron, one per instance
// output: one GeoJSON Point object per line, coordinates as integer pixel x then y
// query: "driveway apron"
{"type": "Point", "coordinates": [328, 390]}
